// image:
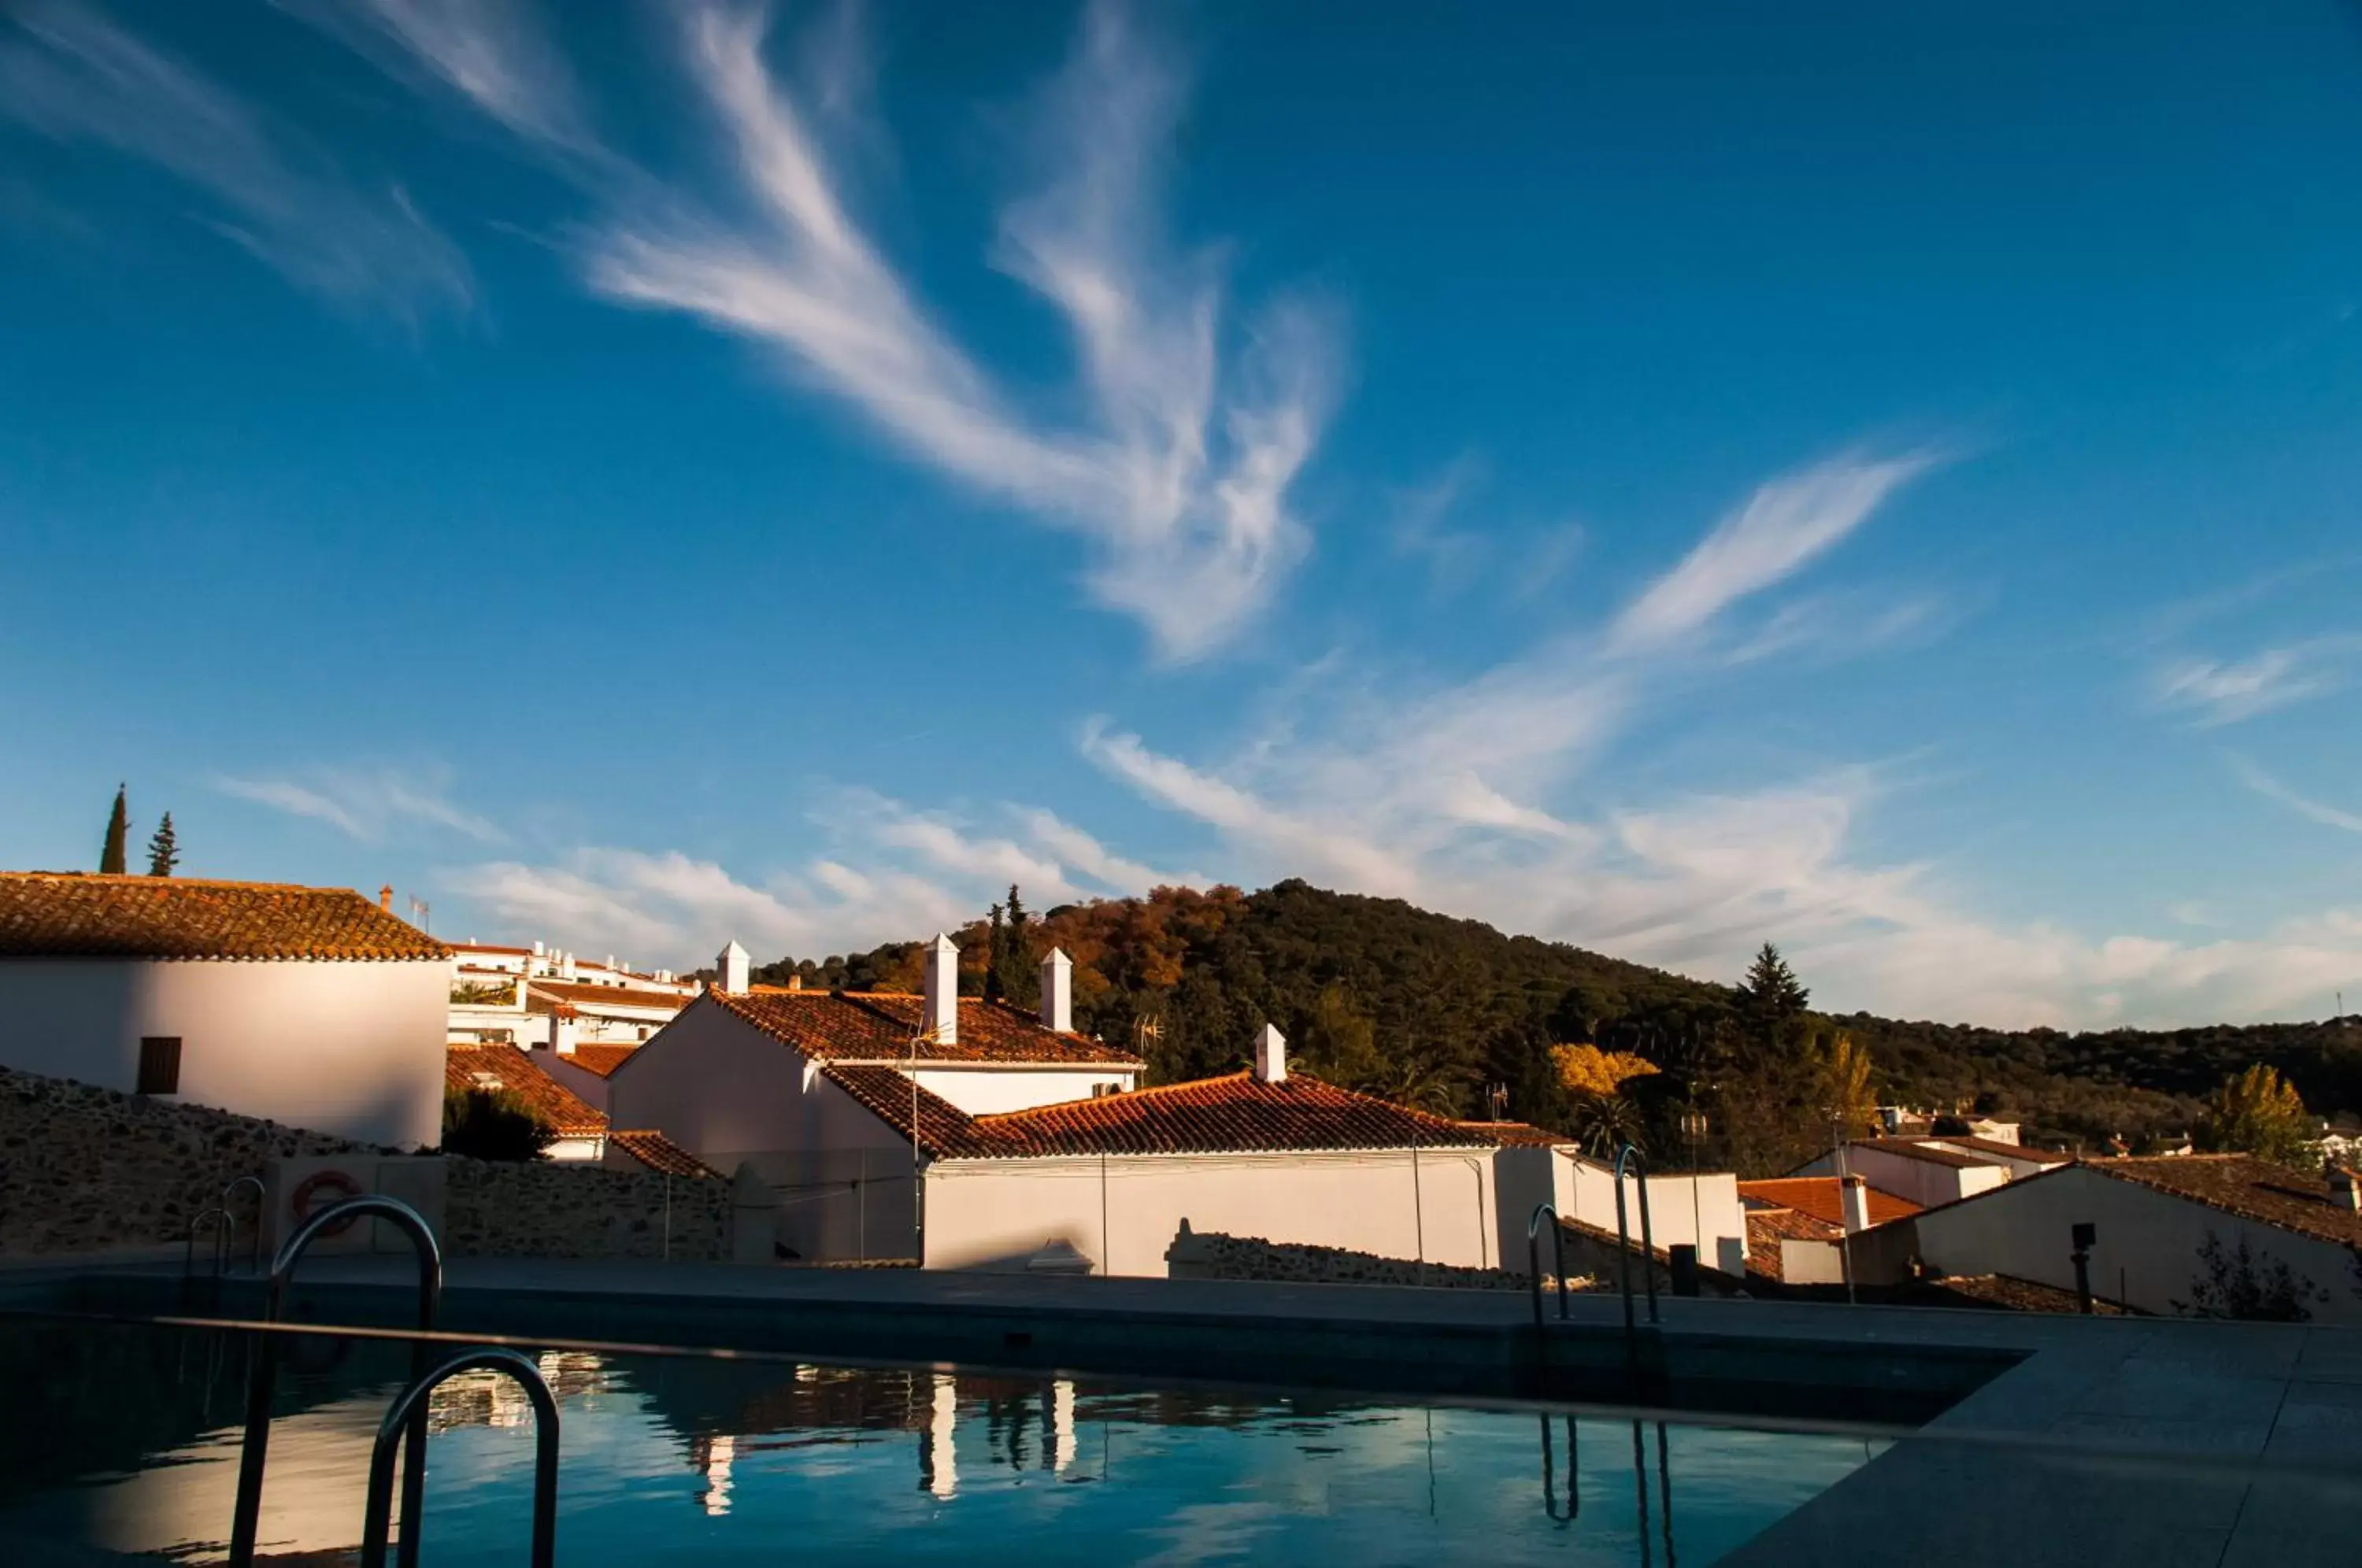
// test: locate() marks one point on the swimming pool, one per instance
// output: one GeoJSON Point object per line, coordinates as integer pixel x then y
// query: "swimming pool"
{"type": "Point", "coordinates": [127, 1443]}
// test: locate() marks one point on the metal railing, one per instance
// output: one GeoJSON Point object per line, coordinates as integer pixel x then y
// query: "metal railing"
{"type": "Point", "coordinates": [254, 1243]}
{"type": "Point", "coordinates": [1630, 1157]}
{"type": "Point", "coordinates": [263, 1375]}
{"type": "Point", "coordinates": [409, 1410]}
{"type": "Point", "coordinates": [224, 1226]}
{"type": "Point", "coordinates": [1534, 1258]}
{"type": "Point", "coordinates": [1573, 1507]}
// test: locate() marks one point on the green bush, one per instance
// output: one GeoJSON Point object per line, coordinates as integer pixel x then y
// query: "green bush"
{"type": "Point", "coordinates": [493, 1124]}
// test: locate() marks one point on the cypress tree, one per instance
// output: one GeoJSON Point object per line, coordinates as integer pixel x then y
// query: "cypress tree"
{"type": "Point", "coordinates": [163, 849]}
{"type": "Point", "coordinates": [118, 828]}
{"type": "Point", "coordinates": [1012, 952]}
{"type": "Point", "coordinates": [996, 952]}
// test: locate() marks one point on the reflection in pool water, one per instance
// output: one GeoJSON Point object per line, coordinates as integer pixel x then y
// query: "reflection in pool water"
{"type": "Point", "coordinates": [705, 1461]}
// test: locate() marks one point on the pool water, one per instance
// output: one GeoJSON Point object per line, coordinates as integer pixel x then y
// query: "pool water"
{"type": "Point", "coordinates": [130, 1451]}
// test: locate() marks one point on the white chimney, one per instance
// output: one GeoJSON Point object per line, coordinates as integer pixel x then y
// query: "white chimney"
{"type": "Point", "coordinates": [730, 969]}
{"type": "Point", "coordinates": [1058, 991]}
{"type": "Point", "coordinates": [1271, 1055]}
{"type": "Point", "coordinates": [941, 1019]}
{"type": "Point", "coordinates": [539, 950]}
{"type": "Point", "coordinates": [2345, 1188]}
{"type": "Point", "coordinates": [1855, 1205]}
{"type": "Point", "coordinates": [564, 1030]}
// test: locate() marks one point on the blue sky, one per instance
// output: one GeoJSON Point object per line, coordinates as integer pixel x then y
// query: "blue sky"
{"type": "Point", "coordinates": [1879, 478]}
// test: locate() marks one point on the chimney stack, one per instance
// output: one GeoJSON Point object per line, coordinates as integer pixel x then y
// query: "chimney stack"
{"type": "Point", "coordinates": [730, 969]}
{"type": "Point", "coordinates": [795, 982]}
{"type": "Point", "coordinates": [564, 1030]}
{"type": "Point", "coordinates": [1856, 1207]}
{"type": "Point", "coordinates": [1271, 1055]}
{"type": "Point", "coordinates": [2344, 1189]}
{"type": "Point", "coordinates": [1058, 991]}
{"type": "Point", "coordinates": [385, 898]}
{"type": "Point", "coordinates": [941, 1017]}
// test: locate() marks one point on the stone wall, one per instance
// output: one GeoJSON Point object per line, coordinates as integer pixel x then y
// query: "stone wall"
{"type": "Point", "coordinates": [1207, 1255]}
{"type": "Point", "coordinates": [541, 1209]}
{"type": "Point", "coordinates": [86, 1169]}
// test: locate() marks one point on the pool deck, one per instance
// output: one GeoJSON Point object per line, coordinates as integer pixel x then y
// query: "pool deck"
{"type": "Point", "coordinates": [2102, 1440]}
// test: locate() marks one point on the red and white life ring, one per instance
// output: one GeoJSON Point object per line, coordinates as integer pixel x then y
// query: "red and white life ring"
{"type": "Point", "coordinates": [338, 1185]}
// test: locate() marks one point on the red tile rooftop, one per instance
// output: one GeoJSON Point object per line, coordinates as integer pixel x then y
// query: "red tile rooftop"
{"type": "Point", "coordinates": [72, 914]}
{"type": "Point", "coordinates": [600, 1059]}
{"type": "Point", "coordinates": [551, 993]}
{"type": "Point", "coordinates": [505, 1067]}
{"type": "Point", "coordinates": [881, 1026]}
{"type": "Point", "coordinates": [1818, 1197]}
{"type": "Point", "coordinates": [660, 1153]}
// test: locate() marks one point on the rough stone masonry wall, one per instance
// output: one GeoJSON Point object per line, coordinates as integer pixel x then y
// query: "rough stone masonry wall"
{"type": "Point", "coordinates": [1209, 1255]}
{"type": "Point", "coordinates": [86, 1169]}
{"type": "Point", "coordinates": [541, 1209]}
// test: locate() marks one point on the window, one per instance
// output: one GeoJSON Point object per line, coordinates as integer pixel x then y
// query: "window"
{"type": "Point", "coordinates": [160, 1064]}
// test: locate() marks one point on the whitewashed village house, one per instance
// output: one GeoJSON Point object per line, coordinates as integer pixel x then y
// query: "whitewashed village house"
{"type": "Point", "coordinates": [971, 1134]}
{"type": "Point", "coordinates": [542, 995]}
{"type": "Point", "coordinates": [309, 1006]}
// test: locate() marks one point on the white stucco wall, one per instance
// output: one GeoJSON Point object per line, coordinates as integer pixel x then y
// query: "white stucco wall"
{"type": "Point", "coordinates": [1123, 1212]}
{"type": "Point", "coordinates": [983, 1090]}
{"type": "Point", "coordinates": [1925, 1181]}
{"type": "Point", "coordinates": [731, 1095]}
{"type": "Point", "coordinates": [587, 1086]}
{"type": "Point", "coordinates": [353, 1049]}
{"type": "Point", "coordinates": [1701, 1210]}
{"type": "Point", "coordinates": [2148, 1245]}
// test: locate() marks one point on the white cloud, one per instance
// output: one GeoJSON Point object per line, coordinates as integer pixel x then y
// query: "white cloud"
{"type": "Point", "coordinates": [1088, 858]}
{"type": "Point", "coordinates": [2272, 788]}
{"type": "Point", "coordinates": [491, 53]}
{"type": "Point", "coordinates": [1784, 525]}
{"type": "Point", "coordinates": [362, 803]}
{"type": "Point", "coordinates": [2224, 691]}
{"type": "Point", "coordinates": [69, 74]}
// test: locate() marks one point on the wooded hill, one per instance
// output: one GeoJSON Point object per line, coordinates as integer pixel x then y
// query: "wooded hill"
{"type": "Point", "coordinates": [1455, 1016]}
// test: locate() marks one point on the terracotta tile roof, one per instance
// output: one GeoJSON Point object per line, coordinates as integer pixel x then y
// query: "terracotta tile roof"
{"type": "Point", "coordinates": [2007, 1151]}
{"type": "Point", "coordinates": [878, 1026]}
{"type": "Point", "coordinates": [506, 1068]}
{"type": "Point", "coordinates": [659, 1153]}
{"type": "Point", "coordinates": [1236, 1114]}
{"type": "Point", "coordinates": [2243, 1184]}
{"type": "Point", "coordinates": [547, 996]}
{"type": "Point", "coordinates": [68, 914]}
{"type": "Point", "coordinates": [1766, 1228]}
{"type": "Point", "coordinates": [601, 1059]}
{"type": "Point", "coordinates": [1818, 1196]}
{"type": "Point", "coordinates": [1516, 1135]}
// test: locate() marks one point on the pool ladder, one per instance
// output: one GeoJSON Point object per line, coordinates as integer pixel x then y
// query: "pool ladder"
{"type": "Point", "coordinates": [1627, 1159]}
{"type": "Point", "coordinates": [406, 1421]}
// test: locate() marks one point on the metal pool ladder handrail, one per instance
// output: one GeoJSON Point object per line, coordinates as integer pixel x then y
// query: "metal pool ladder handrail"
{"type": "Point", "coordinates": [264, 1374]}
{"type": "Point", "coordinates": [261, 1198]}
{"type": "Point", "coordinates": [1629, 1156]}
{"type": "Point", "coordinates": [226, 1228]}
{"type": "Point", "coordinates": [1573, 1508]}
{"type": "Point", "coordinates": [410, 1407]}
{"type": "Point", "coordinates": [1534, 1258]}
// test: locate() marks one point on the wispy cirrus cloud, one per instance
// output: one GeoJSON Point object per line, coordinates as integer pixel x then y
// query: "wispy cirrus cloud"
{"type": "Point", "coordinates": [362, 803]}
{"type": "Point", "coordinates": [2272, 788]}
{"type": "Point", "coordinates": [491, 53]}
{"type": "Point", "coordinates": [2216, 692]}
{"type": "Point", "coordinates": [1196, 420]}
{"type": "Point", "coordinates": [67, 74]}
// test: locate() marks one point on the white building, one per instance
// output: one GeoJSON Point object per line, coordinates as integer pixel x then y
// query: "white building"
{"type": "Point", "coordinates": [520, 996]}
{"type": "Point", "coordinates": [1932, 1170]}
{"type": "Point", "coordinates": [969, 1134]}
{"type": "Point", "coordinates": [2154, 1221]}
{"type": "Point", "coordinates": [309, 1006]}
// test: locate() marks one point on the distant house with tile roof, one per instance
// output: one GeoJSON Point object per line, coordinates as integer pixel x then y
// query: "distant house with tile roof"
{"type": "Point", "coordinates": [967, 1133]}
{"type": "Point", "coordinates": [583, 1135]}
{"type": "Point", "coordinates": [1797, 1226]}
{"type": "Point", "coordinates": [545, 996]}
{"type": "Point", "coordinates": [2157, 1221]}
{"type": "Point", "coordinates": [315, 1007]}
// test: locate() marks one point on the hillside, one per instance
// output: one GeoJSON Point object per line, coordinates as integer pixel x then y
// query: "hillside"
{"type": "Point", "coordinates": [1453, 1014]}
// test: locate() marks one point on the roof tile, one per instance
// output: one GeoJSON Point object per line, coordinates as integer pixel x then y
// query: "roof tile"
{"type": "Point", "coordinates": [882, 1026]}
{"type": "Point", "coordinates": [498, 1068]}
{"type": "Point", "coordinates": [69, 914]}
{"type": "Point", "coordinates": [660, 1153]}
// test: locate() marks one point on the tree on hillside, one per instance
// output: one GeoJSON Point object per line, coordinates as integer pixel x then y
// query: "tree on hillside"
{"type": "Point", "coordinates": [1009, 973]}
{"type": "Point", "coordinates": [1586, 1069]}
{"type": "Point", "coordinates": [163, 849]}
{"type": "Point", "coordinates": [2259, 1113]}
{"type": "Point", "coordinates": [996, 940]}
{"type": "Point", "coordinates": [1337, 1044]}
{"type": "Point", "coordinates": [118, 829]}
{"type": "Point", "coordinates": [1846, 1085]}
{"type": "Point", "coordinates": [1772, 991]}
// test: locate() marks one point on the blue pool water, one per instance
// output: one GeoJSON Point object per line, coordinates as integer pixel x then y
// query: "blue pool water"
{"type": "Point", "coordinates": [132, 1453]}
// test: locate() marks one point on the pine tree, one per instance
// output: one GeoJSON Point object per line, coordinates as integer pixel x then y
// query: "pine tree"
{"type": "Point", "coordinates": [118, 828]}
{"type": "Point", "coordinates": [995, 955]}
{"type": "Point", "coordinates": [163, 849]}
{"type": "Point", "coordinates": [1772, 991]}
{"type": "Point", "coordinates": [1013, 951]}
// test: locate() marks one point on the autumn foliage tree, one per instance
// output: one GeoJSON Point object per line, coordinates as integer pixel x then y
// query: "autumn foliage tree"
{"type": "Point", "coordinates": [2258, 1112]}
